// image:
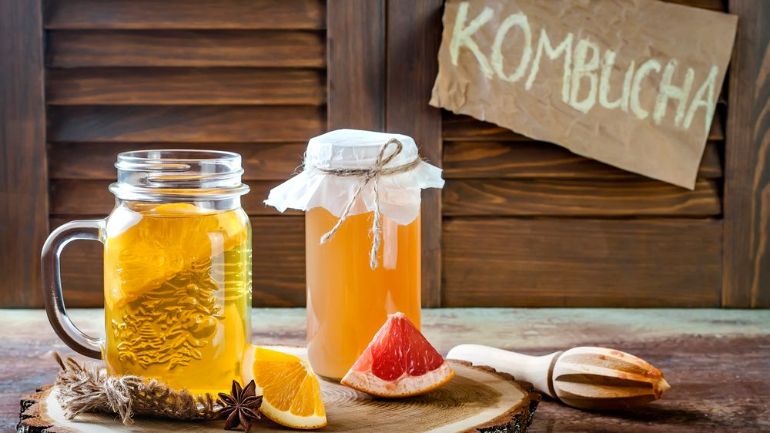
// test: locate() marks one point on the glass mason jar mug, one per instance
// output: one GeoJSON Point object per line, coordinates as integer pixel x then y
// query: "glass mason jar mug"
{"type": "Point", "coordinates": [177, 270]}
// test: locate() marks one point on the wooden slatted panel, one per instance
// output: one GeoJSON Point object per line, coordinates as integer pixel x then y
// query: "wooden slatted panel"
{"type": "Point", "coordinates": [420, 121]}
{"type": "Point", "coordinates": [185, 86]}
{"type": "Point", "coordinates": [271, 161]}
{"type": "Point", "coordinates": [747, 188]}
{"type": "Point", "coordinates": [533, 159]}
{"type": "Point", "coordinates": [502, 262]}
{"type": "Point", "coordinates": [152, 48]}
{"type": "Point", "coordinates": [93, 39]}
{"type": "Point", "coordinates": [278, 258]}
{"type": "Point", "coordinates": [357, 76]}
{"type": "Point", "coordinates": [91, 197]}
{"type": "Point", "coordinates": [185, 14]}
{"type": "Point", "coordinates": [279, 261]}
{"type": "Point", "coordinates": [238, 75]}
{"type": "Point", "coordinates": [191, 124]}
{"type": "Point", "coordinates": [23, 199]}
{"type": "Point", "coordinates": [578, 198]}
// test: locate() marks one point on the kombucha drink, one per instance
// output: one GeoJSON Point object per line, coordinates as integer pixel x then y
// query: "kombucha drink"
{"type": "Point", "coordinates": [177, 282]}
{"type": "Point", "coordinates": [347, 301]}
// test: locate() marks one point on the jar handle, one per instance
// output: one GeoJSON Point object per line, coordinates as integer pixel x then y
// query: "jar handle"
{"type": "Point", "coordinates": [52, 289]}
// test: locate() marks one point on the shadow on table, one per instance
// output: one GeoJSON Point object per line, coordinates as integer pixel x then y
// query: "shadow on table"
{"type": "Point", "coordinates": [659, 414]}
{"type": "Point", "coordinates": [556, 417]}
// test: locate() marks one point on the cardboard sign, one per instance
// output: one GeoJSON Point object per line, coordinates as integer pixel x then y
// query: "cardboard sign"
{"type": "Point", "coordinates": [632, 83]}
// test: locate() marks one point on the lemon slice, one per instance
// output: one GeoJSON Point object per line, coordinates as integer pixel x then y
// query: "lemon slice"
{"type": "Point", "coordinates": [291, 394]}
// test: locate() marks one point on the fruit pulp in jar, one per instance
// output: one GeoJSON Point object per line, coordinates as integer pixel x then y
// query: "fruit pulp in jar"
{"type": "Point", "coordinates": [177, 287]}
{"type": "Point", "coordinates": [347, 301]}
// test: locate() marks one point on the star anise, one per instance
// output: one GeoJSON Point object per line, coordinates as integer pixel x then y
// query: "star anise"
{"type": "Point", "coordinates": [241, 407]}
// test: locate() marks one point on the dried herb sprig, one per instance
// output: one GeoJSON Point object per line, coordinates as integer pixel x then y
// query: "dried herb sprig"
{"type": "Point", "coordinates": [241, 407]}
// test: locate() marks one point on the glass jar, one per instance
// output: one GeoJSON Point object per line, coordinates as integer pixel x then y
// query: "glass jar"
{"type": "Point", "coordinates": [347, 301]}
{"type": "Point", "coordinates": [177, 270]}
{"type": "Point", "coordinates": [361, 191]}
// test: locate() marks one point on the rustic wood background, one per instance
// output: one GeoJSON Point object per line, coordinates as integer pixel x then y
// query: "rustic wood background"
{"type": "Point", "coordinates": [519, 223]}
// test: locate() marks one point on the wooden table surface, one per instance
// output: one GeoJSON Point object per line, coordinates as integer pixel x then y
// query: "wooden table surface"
{"type": "Point", "coordinates": [717, 361]}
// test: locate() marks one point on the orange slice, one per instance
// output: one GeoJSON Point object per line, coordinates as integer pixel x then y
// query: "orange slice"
{"type": "Point", "coordinates": [291, 394]}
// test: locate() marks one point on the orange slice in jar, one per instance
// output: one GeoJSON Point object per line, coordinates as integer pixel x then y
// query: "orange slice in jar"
{"type": "Point", "coordinates": [160, 241]}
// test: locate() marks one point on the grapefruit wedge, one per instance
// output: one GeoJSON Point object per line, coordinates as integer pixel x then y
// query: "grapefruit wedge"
{"type": "Point", "coordinates": [399, 362]}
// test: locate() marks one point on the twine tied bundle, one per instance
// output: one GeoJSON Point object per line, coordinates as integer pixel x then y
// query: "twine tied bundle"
{"type": "Point", "coordinates": [367, 175]}
{"type": "Point", "coordinates": [88, 388]}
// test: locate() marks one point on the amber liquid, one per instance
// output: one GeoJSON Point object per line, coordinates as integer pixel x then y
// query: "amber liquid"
{"type": "Point", "coordinates": [347, 301]}
{"type": "Point", "coordinates": [177, 282]}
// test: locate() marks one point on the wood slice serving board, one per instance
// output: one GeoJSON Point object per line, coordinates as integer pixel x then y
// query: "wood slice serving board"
{"type": "Point", "coordinates": [477, 399]}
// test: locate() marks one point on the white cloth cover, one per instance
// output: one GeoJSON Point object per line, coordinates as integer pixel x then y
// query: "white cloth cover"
{"type": "Point", "coordinates": [356, 149]}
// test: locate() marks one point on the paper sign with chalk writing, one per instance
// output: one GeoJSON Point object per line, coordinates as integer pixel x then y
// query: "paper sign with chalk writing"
{"type": "Point", "coordinates": [632, 83]}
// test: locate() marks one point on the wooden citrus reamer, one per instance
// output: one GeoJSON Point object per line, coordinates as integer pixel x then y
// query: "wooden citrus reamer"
{"type": "Point", "coordinates": [582, 377]}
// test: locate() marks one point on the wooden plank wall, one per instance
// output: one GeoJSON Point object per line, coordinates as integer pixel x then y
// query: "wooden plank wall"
{"type": "Point", "coordinates": [234, 75]}
{"type": "Point", "coordinates": [408, 88]}
{"type": "Point", "coordinates": [531, 224]}
{"type": "Point", "coordinates": [520, 222]}
{"type": "Point", "coordinates": [746, 280]}
{"type": "Point", "coordinates": [23, 184]}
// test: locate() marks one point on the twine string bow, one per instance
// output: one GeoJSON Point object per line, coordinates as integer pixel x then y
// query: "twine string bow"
{"type": "Point", "coordinates": [368, 175]}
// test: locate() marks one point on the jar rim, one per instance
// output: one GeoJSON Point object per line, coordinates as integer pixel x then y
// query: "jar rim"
{"type": "Point", "coordinates": [178, 174]}
{"type": "Point", "coordinates": [177, 155]}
